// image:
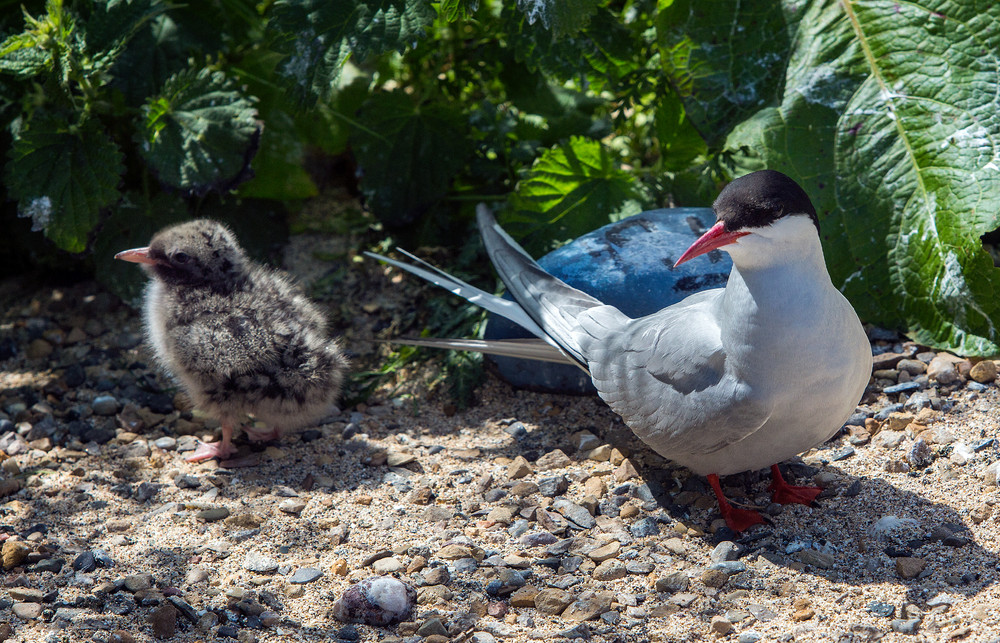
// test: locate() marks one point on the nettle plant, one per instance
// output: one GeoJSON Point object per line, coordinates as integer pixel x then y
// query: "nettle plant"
{"type": "Point", "coordinates": [119, 117]}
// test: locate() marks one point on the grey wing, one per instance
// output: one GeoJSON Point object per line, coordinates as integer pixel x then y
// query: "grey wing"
{"type": "Point", "coordinates": [667, 376]}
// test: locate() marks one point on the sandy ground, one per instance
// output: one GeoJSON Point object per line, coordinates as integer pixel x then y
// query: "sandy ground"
{"type": "Point", "coordinates": [404, 485]}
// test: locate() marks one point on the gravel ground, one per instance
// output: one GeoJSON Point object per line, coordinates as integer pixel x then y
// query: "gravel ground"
{"type": "Point", "coordinates": [528, 516]}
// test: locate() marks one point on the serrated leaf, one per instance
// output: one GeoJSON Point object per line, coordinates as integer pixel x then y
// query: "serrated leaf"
{"type": "Point", "coordinates": [890, 122]}
{"type": "Point", "coordinates": [63, 177]}
{"type": "Point", "coordinates": [796, 136]}
{"type": "Point", "coordinates": [563, 17]}
{"type": "Point", "coordinates": [21, 58]}
{"type": "Point", "coordinates": [200, 132]}
{"type": "Point", "coordinates": [112, 23]}
{"type": "Point", "coordinates": [604, 52]}
{"type": "Point", "coordinates": [407, 154]}
{"type": "Point", "coordinates": [319, 36]}
{"type": "Point", "coordinates": [919, 147]}
{"type": "Point", "coordinates": [724, 59]}
{"type": "Point", "coordinates": [571, 189]}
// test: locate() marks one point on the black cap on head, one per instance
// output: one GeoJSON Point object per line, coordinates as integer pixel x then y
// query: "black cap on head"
{"type": "Point", "coordinates": [759, 199]}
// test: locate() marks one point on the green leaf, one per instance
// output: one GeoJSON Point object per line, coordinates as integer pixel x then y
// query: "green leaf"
{"type": "Point", "coordinates": [724, 59]}
{"type": "Point", "coordinates": [278, 171]}
{"type": "Point", "coordinates": [919, 148]}
{"type": "Point", "coordinates": [563, 17]}
{"type": "Point", "coordinates": [319, 36]}
{"type": "Point", "coordinates": [570, 190]}
{"type": "Point", "coordinates": [20, 57]}
{"type": "Point", "coordinates": [797, 136]}
{"type": "Point", "coordinates": [62, 177]}
{"type": "Point", "coordinates": [114, 22]}
{"type": "Point", "coordinates": [200, 133]}
{"type": "Point", "coordinates": [889, 121]}
{"type": "Point", "coordinates": [407, 154]}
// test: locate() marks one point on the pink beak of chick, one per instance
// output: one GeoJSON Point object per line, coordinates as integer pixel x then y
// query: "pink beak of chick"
{"type": "Point", "coordinates": [714, 238]}
{"type": "Point", "coordinates": [139, 255]}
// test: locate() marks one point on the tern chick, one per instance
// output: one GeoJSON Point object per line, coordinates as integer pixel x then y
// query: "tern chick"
{"type": "Point", "coordinates": [239, 337]}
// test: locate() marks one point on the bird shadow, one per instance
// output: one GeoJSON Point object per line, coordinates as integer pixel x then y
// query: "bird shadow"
{"type": "Point", "coordinates": [862, 531]}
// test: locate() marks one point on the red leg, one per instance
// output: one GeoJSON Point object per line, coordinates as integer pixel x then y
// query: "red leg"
{"type": "Point", "coordinates": [785, 493]}
{"type": "Point", "coordinates": [737, 519]}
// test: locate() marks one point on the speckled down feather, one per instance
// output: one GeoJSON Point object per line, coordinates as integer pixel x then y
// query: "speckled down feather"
{"type": "Point", "coordinates": [240, 337]}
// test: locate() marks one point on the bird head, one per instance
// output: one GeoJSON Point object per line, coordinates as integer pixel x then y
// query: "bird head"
{"type": "Point", "coordinates": [199, 253]}
{"type": "Point", "coordinates": [759, 216]}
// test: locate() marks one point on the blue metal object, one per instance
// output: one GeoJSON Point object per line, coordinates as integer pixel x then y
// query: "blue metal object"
{"type": "Point", "coordinates": [628, 264]}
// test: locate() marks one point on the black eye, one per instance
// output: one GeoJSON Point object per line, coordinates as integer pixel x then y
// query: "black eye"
{"type": "Point", "coordinates": [181, 257]}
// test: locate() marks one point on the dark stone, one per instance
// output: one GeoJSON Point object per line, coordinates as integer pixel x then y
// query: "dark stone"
{"type": "Point", "coordinates": [74, 376]}
{"type": "Point", "coordinates": [53, 565]}
{"type": "Point", "coordinates": [85, 562]}
{"type": "Point", "coordinates": [885, 610]}
{"type": "Point", "coordinates": [644, 527]}
{"type": "Point", "coordinates": [904, 387]}
{"type": "Point", "coordinates": [99, 435]}
{"type": "Point", "coordinates": [311, 435]}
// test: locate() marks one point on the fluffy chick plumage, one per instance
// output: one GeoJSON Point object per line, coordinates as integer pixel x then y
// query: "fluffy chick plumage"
{"type": "Point", "coordinates": [241, 338]}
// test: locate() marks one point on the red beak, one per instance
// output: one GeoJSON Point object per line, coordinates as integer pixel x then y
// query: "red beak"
{"type": "Point", "coordinates": [135, 255]}
{"type": "Point", "coordinates": [715, 237]}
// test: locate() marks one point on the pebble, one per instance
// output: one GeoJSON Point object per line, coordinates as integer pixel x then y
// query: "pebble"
{"type": "Point", "coordinates": [588, 606]}
{"type": "Point", "coordinates": [13, 553]}
{"type": "Point", "coordinates": [213, 514]}
{"type": "Point", "coordinates": [304, 575]}
{"type": "Point", "coordinates": [885, 610]}
{"type": "Point", "coordinates": [104, 405]}
{"type": "Point", "coordinates": [85, 562]}
{"type": "Point", "coordinates": [726, 550]}
{"type": "Point", "coordinates": [575, 513]}
{"type": "Point", "coordinates": [379, 601]}
{"type": "Point", "coordinates": [610, 570]}
{"type": "Point", "coordinates": [984, 372]}
{"type": "Point", "coordinates": [644, 527]}
{"type": "Point", "coordinates": [943, 370]}
{"type": "Point", "coordinates": [27, 611]}
{"type": "Point", "coordinates": [257, 562]}
{"type": "Point", "coordinates": [906, 626]}
{"type": "Point", "coordinates": [164, 621]}
{"type": "Point", "coordinates": [293, 506]}
{"type": "Point", "coordinates": [518, 468]}
{"type": "Point", "coordinates": [552, 486]}
{"type": "Point", "coordinates": [721, 626]}
{"type": "Point", "coordinates": [909, 567]}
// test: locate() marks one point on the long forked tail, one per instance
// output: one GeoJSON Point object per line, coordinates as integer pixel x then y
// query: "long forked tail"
{"type": "Point", "coordinates": [523, 348]}
{"type": "Point", "coordinates": [552, 304]}
{"type": "Point", "coordinates": [543, 349]}
{"type": "Point", "coordinates": [544, 305]}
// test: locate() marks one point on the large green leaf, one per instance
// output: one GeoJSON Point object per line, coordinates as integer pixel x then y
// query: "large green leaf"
{"type": "Point", "coordinates": [571, 189]}
{"type": "Point", "coordinates": [200, 133]}
{"type": "Point", "coordinates": [319, 36]}
{"type": "Point", "coordinates": [62, 177]}
{"type": "Point", "coordinates": [796, 136]}
{"type": "Point", "coordinates": [407, 154]}
{"type": "Point", "coordinates": [890, 119]}
{"type": "Point", "coordinates": [563, 17]}
{"type": "Point", "coordinates": [918, 147]}
{"type": "Point", "coordinates": [724, 59]}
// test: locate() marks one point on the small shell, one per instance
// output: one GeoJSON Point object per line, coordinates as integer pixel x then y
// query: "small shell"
{"type": "Point", "coordinates": [380, 601]}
